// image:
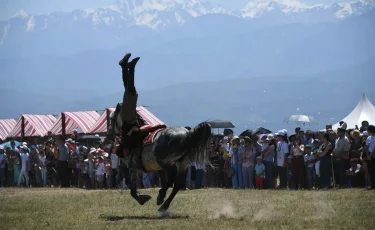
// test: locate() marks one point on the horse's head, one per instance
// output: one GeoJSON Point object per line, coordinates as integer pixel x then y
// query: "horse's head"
{"type": "Point", "coordinates": [116, 123]}
{"type": "Point", "coordinates": [115, 126]}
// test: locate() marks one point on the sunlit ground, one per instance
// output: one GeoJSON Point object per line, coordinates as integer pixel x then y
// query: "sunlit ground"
{"type": "Point", "coordinates": [49, 208]}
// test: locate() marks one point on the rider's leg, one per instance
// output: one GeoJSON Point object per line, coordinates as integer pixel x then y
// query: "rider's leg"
{"type": "Point", "coordinates": [124, 65]}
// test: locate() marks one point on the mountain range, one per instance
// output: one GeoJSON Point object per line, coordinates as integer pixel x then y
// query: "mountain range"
{"type": "Point", "coordinates": [128, 21]}
{"type": "Point", "coordinates": [198, 60]}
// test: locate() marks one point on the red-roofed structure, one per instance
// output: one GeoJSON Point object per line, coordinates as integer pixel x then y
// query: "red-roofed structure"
{"type": "Point", "coordinates": [82, 121]}
{"type": "Point", "coordinates": [6, 126]}
{"type": "Point", "coordinates": [30, 125]}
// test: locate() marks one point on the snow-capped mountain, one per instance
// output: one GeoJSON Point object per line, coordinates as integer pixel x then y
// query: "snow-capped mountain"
{"type": "Point", "coordinates": [127, 21]}
{"type": "Point", "coordinates": [297, 11]}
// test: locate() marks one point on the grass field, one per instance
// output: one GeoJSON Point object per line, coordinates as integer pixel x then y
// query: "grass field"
{"type": "Point", "coordinates": [194, 209]}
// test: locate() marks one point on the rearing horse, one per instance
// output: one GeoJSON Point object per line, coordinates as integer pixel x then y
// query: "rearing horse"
{"type": "Point", "coordinates": [168, 150]}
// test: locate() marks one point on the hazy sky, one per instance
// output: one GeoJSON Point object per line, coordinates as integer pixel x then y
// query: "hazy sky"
{"type": "Point", "coordinates": [10, 7]}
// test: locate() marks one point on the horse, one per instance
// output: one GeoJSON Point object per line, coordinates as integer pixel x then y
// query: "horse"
{"type": "Point", "coordinates": [166, 150]}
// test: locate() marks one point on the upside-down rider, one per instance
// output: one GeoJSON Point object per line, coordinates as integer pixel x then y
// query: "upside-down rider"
{"type": "Point", "coordinates": [131, 144]}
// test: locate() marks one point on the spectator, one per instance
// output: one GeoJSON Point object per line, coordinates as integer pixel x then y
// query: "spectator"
{"type": "Point", "coordinates": [341, 153]}
{"type": "Point", "coordinates": [269, 161]}
{"type": "Point", "coordinates": [259, 173]}
{"type": "Point", "coordinates": [364, 159]}
{"type": "Point", "coordinates": [282, 152]}
{"type": "Point", "coordinates": [63, 166]}
{"type": "Point", "coordinates": [324, 154]}
{"type": "Point", "coordinates": [297, 152]}
{"type": "Point", "coordinates": [3, 162]}
{"type": "Point", "coordinates": [310, 165]}
{"type": "Point", "coordinates": [236, 162]}
{"type": "Point", "coordinates": [248, 158]}
{"type": "Point", "coordinates": [24, 165]}
{"type": "Point", "coordinates": [371, 153]}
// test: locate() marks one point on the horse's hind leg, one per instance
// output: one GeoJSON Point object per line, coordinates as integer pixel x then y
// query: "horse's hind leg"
{"type": "Point", "coordinates": [178, 184]}
{"type": "Point", "coordinates": [167, 178]}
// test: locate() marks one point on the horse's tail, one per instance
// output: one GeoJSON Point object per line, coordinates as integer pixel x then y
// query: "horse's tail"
{"type": "Point", "coordinates": [198, 142]}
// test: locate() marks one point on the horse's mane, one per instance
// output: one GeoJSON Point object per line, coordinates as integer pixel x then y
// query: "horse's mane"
{"type": "Point", "coordinates": [198, 140]}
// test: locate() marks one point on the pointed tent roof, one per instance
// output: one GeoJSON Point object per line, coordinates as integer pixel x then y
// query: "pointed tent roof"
{"type": "Point", "coordinates": [364, 111]}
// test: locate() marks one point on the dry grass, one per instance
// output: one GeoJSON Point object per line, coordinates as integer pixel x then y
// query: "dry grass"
{"type": "Point", "coordinates": [195, 209]}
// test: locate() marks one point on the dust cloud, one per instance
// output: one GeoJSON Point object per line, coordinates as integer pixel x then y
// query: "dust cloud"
{"type": "Point", "coordinates": [225, 210]}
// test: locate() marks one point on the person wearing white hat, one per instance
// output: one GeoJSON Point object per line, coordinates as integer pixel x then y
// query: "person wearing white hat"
{"type": "Point", "coordinates": [24, 162]}
{"type": "Point", "coordinates": [282, 151]}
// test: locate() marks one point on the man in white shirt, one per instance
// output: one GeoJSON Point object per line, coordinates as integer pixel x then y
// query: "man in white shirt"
{"type": "Point", "coordinates": [341, 152]}
{"type": "Point", "coordinates": [282, 151]}
{"type": "Point", "coordinates": [24, 162]}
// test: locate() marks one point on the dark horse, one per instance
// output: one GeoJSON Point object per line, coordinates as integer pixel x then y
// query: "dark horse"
{"type": "Point", "coordinates": [167, 150]}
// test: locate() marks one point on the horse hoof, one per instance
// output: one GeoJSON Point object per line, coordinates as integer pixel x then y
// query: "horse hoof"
{"type": "Point", "coordinates": [162, 209]}
{"type": "Point", "coordinates": [159, 201]}
{"type": "Point", "coordinates": [143, 199]}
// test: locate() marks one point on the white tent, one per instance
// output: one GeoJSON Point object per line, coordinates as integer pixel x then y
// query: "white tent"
{"type": "Point", "coordinates": [364, 111]}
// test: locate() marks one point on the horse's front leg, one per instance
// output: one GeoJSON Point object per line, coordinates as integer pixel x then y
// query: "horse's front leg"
{"type": "Point", "coordinates": [167, 178]}
{"type": "Point", "coordinates": [178, 184]}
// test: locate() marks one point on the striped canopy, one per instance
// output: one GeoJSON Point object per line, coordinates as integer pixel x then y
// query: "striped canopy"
{"type": "Point", "coordinates": [6, 125]}
{"type": "Point", "coordinates": [35, 125]}
{"type": "Point", "coordinates": [75, 120]}
{"type": "Point", "coordinates": [100, 126]}
{"type": "Point", "coordinates": [151, 120]}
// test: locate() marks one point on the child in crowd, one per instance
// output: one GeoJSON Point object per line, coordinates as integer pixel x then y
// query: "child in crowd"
{"type": "Point", "coordinates": [310, 165]}
{"type": "Point", "coordinates": [259, 173]}
{"type": "Point", "coordinates": [43, 169]}
{"type": "Point", "coordinates": [85, 173]}
{"type": "Point", "coordinates": [100, 172]}
{"type": "Point", "coordinates": [91, 167]}
{"type": "Point", "coordinates": [317, 144]}
{"type": "Point", "coordinates": [108, 171]}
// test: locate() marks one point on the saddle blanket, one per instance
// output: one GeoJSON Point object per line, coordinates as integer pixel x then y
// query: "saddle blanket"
{"type": "Point", "coordinates": [149, 139]}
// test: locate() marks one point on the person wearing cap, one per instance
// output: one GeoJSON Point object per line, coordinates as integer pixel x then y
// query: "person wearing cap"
{"type": "Point", "coordinates": [259, 173]}
{"type": "Point", "coordinates": [236, 162]}
{"type": "Point", "coordinates": [282, 151]}
{"type": "Point", "coordinates": [269, 161]}
{"type": "Point", "coordinates": [3, 162]}
{"type": "Point", "coordinates": [341, 156]}
{"type": "Point", "coordinates": [24, 165]}
{"type": "Point", "coordinates": [371, 153]}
